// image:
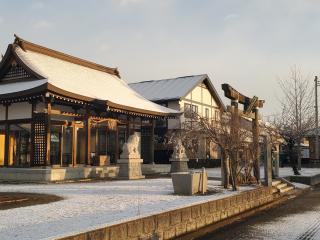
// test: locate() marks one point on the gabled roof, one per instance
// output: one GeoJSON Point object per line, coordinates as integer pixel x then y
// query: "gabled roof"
{"type": "Point", "coordinates": [174, 88]}
{"type": "Point", "coordinates": [69, 76]}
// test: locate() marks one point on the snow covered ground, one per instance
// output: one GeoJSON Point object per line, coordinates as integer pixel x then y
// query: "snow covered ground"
{"type": "Point", "coordinates": [92, 205]}
{"type": "Point", "coordinates": [284, 172]}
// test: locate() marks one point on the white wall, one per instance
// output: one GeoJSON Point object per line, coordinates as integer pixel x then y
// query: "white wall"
{"type": "Point", "coordinates": [19, 110]}
{"type": "Point", "coordinates": [2, 112]}
{"type": "Point", "coordinates": [174, 123]}
{"type": "Point", "coordinates": [201, 97]}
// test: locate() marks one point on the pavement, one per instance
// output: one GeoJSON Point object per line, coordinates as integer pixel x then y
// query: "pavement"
{"type": "Point", "coordinates": [283, 172]}
{"type": "Point", "coordinates": [298, 218]}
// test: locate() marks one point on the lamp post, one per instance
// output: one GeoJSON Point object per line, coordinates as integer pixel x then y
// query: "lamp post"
{"type": "Point", "coordinates": [316, 84]}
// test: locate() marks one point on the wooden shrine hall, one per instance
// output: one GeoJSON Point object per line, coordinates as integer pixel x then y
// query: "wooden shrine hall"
{"type": "Point", "coordinates": [60, 111]}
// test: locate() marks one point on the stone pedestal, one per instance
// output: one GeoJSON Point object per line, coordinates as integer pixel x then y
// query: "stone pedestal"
{"type": "Point", "coordinates": [179, 165]}
{"type": "Point", "coordinates": [130, 168]}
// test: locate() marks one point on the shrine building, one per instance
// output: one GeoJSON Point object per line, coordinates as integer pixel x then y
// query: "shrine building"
{"type": "Point", "coordinates": [58, 111]}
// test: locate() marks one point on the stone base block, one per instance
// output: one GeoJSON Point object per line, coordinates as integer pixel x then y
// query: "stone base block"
{"type": "Point", "coordinates": [48, 174]}
{"type": "Point", "coordinates": [189, 183]}
{"type": "Point", "coordinates": [130, 168]}
{"type": "Point", "coordinates": [179, 165]}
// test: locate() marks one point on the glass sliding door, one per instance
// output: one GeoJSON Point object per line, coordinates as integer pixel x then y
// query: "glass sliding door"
{"type": "Point", "coordinates": [80, 145]}
{"type": "Point", "coordinates": [67, 145]}
{"type": "Point", "coordinates": [55, 145]}
{"type": "Point", "coordinates": [2, 144]}
{"type": "Point", "coordinates": [19, 145]}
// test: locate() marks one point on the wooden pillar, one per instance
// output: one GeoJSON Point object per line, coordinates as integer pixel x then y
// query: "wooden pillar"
{"type": "Point", "coordinates": [7, 137]}
{"type": "Point", "coordinates": [61, 144]}
{"type": "Point", "coordinates": [88, 138]}
{"type": "Point", "coordinates": [32, 137]}
{"type": "Point", "coordinates": [268, 162]}
{"type": "Point", "coordinates": [255, 131]}
{"type": "Point", "coordinates": [74, 145]}
{"type": "Point", "coordinates": [152, 142]}
{"type": "Point", "coordinates": [97, 150]}
{"type": "Point", "coordinates": [48, 107]}
{"type": "Point", "coordinates": [117, 154]}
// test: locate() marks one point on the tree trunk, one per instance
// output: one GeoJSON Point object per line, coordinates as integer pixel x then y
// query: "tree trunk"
{"type": "Point", "coordinates": [233, 172]}
{"type": "Point", "coordinates": [225, 169]}
{"type": "Point", "coordinates": [299, 154]}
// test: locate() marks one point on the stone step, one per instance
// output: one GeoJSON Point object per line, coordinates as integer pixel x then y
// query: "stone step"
{"type": "Point", "coordinates": [286, 189]}
{"type": "Point", "coordinates": [282, 185]}
{"type": "Point", "coordinates": [275, 183]}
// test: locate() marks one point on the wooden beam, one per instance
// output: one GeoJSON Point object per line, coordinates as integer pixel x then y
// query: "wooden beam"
{"type": "Point", "coordinates": [233, 94]}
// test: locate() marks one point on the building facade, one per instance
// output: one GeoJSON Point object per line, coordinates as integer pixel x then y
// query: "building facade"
{"type": "Point", "coordinates": [195, 93]}
{"type": "Point", "coordinates": [59, 110]}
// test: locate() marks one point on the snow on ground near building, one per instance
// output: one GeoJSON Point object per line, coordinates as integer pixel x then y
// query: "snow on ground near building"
{"type": "Point", "coordinates": [92, 205]}
{"type": "Point", "coordinates": [284, 172]}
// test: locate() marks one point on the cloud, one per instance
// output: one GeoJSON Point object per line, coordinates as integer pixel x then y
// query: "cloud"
{"type": "Point", "coordinates": [42, 24]}
{"type": "Point", "coordinates": [125, 3]}
{"type": "Point", "coordinates": [104, 47]}
{"type": "Point", "coordinates": [37, 5]}
{"type": "Point", "coordinates": [1, 20]}
{"type": "Point", "coordinates": [230, 17]}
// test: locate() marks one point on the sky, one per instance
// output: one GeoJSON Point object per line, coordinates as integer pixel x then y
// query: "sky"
{"type": "Point", "coordinates": [250, 44]}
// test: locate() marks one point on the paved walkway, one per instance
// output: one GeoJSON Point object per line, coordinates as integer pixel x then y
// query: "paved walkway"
{"type": "Point", "coordinates": [297, 219]}
{"type": "Point", "coordinates": [284, 172]}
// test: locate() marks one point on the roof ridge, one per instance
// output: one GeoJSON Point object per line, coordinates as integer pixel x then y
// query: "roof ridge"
{"type": "Point", "coordinates": [26, 45]}
{"type": "Point", "coordinates": [169, 79]}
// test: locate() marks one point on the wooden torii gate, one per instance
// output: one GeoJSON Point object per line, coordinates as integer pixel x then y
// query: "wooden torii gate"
{"type": "Point", "coordinates": [251, 110]}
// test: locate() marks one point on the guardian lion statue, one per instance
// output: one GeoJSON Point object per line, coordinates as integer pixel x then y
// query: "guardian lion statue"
{"type": "Point", "coordinates": [179, 152]}
{"type": "Point", "coordinates": [132, 148]}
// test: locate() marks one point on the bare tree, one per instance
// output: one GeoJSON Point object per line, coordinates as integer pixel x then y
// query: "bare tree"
{"type": "Point", "coordinates": [296, 117]}
{"type": "Point", "coordinates": [233, 138]}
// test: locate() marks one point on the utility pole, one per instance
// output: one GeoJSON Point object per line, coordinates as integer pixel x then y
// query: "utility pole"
{"type": "Point", "coordinates": [316, 83]}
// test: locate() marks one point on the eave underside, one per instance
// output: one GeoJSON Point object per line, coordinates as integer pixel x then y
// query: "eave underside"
{"type": "Point", "coordinates": [48, 90]}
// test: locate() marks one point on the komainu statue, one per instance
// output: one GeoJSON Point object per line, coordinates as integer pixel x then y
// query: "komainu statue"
{"type": "Point", "coordinates": [132, 149]}
{"type": "Point", "coordinates": [179, 152]}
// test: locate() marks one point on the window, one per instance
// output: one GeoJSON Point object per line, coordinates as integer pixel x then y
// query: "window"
{"type": "Point", "coordinates": [189, 109]}
{"type": "Point", "coordinates": [207, 113]}
{"type": "Point", "coordinates": [194, 109]}
{"type": "Point", "coordinates": [216, 115]}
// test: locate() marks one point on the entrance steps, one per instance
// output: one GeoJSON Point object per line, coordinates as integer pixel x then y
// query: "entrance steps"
{"type": "Point", "coordinates": [281, 186]}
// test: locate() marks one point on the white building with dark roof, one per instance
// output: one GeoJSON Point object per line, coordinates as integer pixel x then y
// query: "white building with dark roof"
{"type": "Point", "coordinates": [189, 92]}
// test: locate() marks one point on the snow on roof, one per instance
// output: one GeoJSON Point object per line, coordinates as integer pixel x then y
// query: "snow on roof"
{"type": "Point", "coordinates": [167, 89]}
{"type": "Point", "coordinates": [80, 80]}
{"type": "Point", "coordinates": [174, 88]}
{"type": "Point", "coordinates": [20, 86]}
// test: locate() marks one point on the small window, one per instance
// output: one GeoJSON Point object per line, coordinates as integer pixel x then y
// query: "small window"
{"type": "Point", "coordinates": [194, 108]}
{"type": "Point", "coordinates": [216, 115]}
{"type": "Point", "coordinates": [207, 113]}
{"type": "Point", "coordinates": [187, 110]}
